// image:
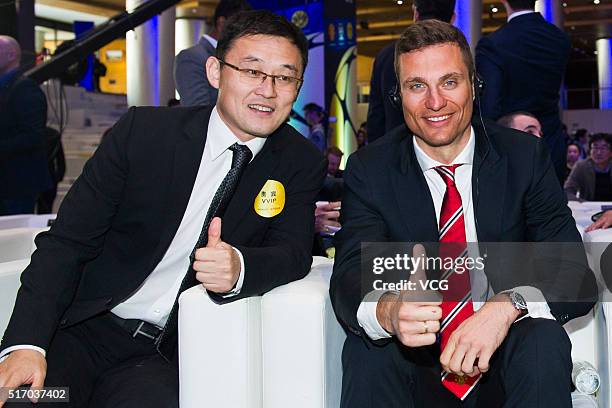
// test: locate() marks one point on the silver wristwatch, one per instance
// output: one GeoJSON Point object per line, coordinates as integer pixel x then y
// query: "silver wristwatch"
{"type": "Point", "coordinates": [518, 301]}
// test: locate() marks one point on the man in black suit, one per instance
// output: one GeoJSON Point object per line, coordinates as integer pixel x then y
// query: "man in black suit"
{"type": "Point", "coordinates": [384, 113]}
{"type": "Point", "coordinates": [396, 190]}
{"type": "Point", "coordinates": [23, 117]}
{"type": "Point", "coordinates": [522, 65]}
{"type": "Point", "coordinates": [98, 298]}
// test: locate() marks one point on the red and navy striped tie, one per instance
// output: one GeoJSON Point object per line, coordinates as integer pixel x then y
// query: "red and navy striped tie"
{"type": "Point", "coordinates": [457, 300]}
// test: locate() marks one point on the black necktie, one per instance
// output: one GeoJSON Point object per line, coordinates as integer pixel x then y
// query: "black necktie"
{"type": "Point", "coordinates": [241, 157]}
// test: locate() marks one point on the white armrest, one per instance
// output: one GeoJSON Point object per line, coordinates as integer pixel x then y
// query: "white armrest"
{"type": "Point", "coordinates": [219, 351]}
{"type": "Point", "coordinates": [25, 221]}
{"type": "Point", "coordinates": [9, 284]}
{"type": "Point", "coordinates": [17, 243]}
{"type": "Point", "coordinates": [302, 343]}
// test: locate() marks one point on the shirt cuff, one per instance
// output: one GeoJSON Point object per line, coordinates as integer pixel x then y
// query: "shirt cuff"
{"type": "Point", "coordinates": [537, 306]}
{"type": "Point", "coordinates": [240, 281]}
{"type": "Point", "coordinates": [366, 316]}
{"type": "Point", "coordinates": [8, 350]}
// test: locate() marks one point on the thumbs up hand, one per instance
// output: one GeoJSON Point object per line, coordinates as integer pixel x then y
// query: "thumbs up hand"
{"type": "Point", "coordinates": [412, 315]}
{"type": "Point", "coordinates": [217, 265]}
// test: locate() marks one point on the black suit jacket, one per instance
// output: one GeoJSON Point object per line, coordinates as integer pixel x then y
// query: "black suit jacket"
{"type": "Point", "coordinates": [516, 199]}
{"type": "Point", "coordinates": [23, 157]}
{"type": "Point", "coordinates": [383, 115]}
{"type": "Point", "coordinates": [120, 216]}
{"type": "Point", "coordinates": [522, 65]}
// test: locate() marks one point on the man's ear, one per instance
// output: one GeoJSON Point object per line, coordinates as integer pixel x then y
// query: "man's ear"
{"type": "Point", "coordinates": [213, 71]}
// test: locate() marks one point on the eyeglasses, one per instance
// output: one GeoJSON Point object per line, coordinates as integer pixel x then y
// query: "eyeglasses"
{"type": "Point", "coordinates": [255, 77]}
{"type": "Point", "coordinates": [600, 148]}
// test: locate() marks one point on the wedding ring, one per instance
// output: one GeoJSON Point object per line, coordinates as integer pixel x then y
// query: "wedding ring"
{"type": "Point", "coordinates": [426, 328]}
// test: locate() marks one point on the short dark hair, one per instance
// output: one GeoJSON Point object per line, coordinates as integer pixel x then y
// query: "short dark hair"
{"type": "Point", "coordinates": [333, 150]}
{"type": "Point", "coordinates": [522, 4]}
{"type": "Point", "coordinates": [261, 22]}
{"type": "Point", "coordinates": [433, 32]}
{"type": "Point", "coordinates": [227, 8]}
{"type": "Point", "coordinates": [312, 107]}
{"type": "Point", "coordinates": [507, 120]}
{"type": "Point", "coordinates": [596, 137]}
{"type": "Point", "coordinates": [442, 10]}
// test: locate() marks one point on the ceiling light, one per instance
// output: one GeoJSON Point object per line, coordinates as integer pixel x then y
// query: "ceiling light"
{"type": "Point", "coordinates": [596, 1]}
{"type": "Point", "coordinates": [564, 4]}
{"type": "Point", "coordinates": [494, 9]}
{"type": "Point", "coordinates": [400, 2]}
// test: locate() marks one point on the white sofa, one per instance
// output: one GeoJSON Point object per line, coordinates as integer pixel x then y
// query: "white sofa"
{"type": "Point", "coordinates": [17, 243]}
{"type": "Point", "coordinates": [9, 284]}
{"type": "Point", "coordinates": [26, 221]}
{"type": "Point", "coordinates": [281, 349]}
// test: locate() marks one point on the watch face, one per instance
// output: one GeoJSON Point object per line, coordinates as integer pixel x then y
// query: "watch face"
{"type": "Point", "coordinates": [518, 301]}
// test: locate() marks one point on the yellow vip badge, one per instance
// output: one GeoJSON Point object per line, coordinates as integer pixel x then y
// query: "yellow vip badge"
{"type": "Point", "coordinates": [271, 199]}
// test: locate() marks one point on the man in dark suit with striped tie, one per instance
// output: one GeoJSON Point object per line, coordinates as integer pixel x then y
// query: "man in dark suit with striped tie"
{"type": "Point", "coordinates": [454, 180]}
{"type": "Point", "coordinates": [221, 196]}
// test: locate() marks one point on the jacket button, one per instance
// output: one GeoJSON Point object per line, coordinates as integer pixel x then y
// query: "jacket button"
{"type": "Point", "coordinates": [63, 322]}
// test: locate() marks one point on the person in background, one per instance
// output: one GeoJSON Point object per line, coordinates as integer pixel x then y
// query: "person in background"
{"type": "Point", "coordinates": [24, 172]}
{"type": "Point", "coordinates": [581, 136]}
{"type": "Point", "coordinates": [523, 121]}
{"type": "Point", "coordinates": [315, 117]}
{"type": "Point", "coordinates": [334, 158]}
{"type": "Point", "coordinates": [362, 135]}
{"type": "Point", "coordinates": [603, 222]}
{"type": "Point", "coordinates": [522, 65]}
{"type": "Point", "coordinates": [591, 179]}
{"type": "Point", "coordinates": [384, 110]}
{"type": "Point", "coordinates": [573, 156]}
{"type": "Point", "coordinates": [190, 77]}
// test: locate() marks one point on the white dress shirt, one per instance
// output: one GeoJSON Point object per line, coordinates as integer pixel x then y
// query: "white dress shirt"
{"type": "Point", "coordinates": [481, 291]}
{"type": "Point", "coordinates": [520, 13]}
{"type": "Point", "coordinates": [154, 299]}
{"type": "Point", "coordinates": [211, 40]}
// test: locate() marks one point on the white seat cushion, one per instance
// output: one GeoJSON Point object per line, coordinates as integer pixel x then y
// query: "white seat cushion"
{"type": "Point", "coordinates": [302, 343]}
{"type": "Point", "coordinates": [9, 284]}
{"type": "Point", "coordinates": [17, 243]}
{"type": "Point", "coordinates": [219, 351]}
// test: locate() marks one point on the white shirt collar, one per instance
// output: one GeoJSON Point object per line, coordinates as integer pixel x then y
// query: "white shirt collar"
{"type": "Point", "coordinates": [220, 137]}
{"type": "Point", "coordinates": [519, 13]}
{"type": "Point", "coordinates": [211, 40]}
{"type": "Point", "coordinates": [466, 156]}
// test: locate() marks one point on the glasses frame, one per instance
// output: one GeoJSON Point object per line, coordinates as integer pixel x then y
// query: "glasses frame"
{"type": "Point", "coordinates": [299, 81]}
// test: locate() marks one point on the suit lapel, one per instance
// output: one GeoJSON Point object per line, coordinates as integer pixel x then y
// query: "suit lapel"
{"type": "Point", "coordinates": [251, 182]}
{"type": "Point", "coordinates": [187, 158]}
{"type": "Point", "coordinates": [412, 195]}
{"type": "Point", "coordinates": [488, 187]}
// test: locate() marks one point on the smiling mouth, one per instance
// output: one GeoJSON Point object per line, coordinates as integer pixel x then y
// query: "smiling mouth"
{"type": "Point", "coordinates": [261, 108]}
{"type": "Point", "coordinates": [438, 118]}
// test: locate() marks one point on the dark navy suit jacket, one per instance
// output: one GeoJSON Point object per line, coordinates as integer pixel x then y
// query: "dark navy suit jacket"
{"type": "Point", "coordinates": [522, 65]}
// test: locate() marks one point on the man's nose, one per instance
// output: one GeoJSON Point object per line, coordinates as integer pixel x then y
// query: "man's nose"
{"type": "Point", "coordinates": [267, 88]}
{"type": "Point", "coordinates": [434, 100]}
